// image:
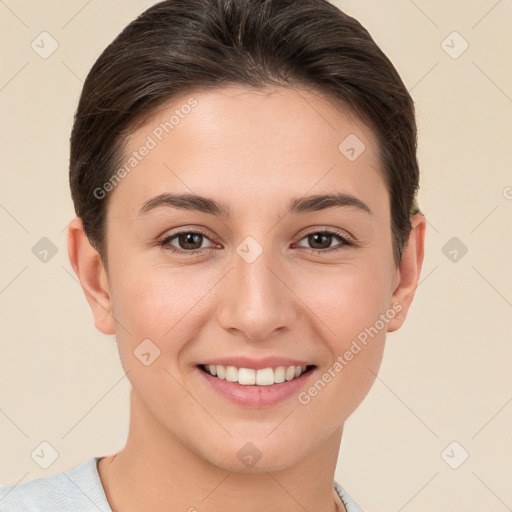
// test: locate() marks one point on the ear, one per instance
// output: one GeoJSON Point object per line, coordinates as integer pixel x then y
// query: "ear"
{"type": "Point", "coordinates": [408, 272]}
{"type": "Point", "coordinates": [88, 267]}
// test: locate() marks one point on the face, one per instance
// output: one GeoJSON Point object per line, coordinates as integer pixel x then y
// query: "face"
{"type": "Point", "coordinates": [257, 284]}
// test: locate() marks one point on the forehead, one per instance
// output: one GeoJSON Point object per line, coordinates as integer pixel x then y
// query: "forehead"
{"type": "Point", "coordinates": [243, 145]}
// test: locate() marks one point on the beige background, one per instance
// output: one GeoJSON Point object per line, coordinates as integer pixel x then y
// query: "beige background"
{"type": "Point", "coordinates": [445, 375]}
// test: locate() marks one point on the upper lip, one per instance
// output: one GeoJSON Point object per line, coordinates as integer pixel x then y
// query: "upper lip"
{"type": "Point", "coordinates": [256, 364]}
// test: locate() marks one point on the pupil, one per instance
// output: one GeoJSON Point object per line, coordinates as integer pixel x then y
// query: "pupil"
{"type": "Point", "coordinates": [317, 238]}
{"type": "Point", "coordinates": [190, 239]}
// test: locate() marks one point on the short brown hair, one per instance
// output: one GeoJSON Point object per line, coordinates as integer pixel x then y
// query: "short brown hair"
{"type": "Point", "coordinates": [177, 46]}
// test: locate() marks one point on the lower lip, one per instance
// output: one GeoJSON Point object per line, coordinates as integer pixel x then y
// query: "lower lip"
{"type": "Point", "coordinates": [256, 396]}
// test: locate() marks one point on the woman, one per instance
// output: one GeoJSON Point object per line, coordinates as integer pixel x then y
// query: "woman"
{"type": "Point", "coordinates": [244, 177]}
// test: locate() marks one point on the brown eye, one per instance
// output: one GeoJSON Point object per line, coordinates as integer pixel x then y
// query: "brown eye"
{"type": "Point", "coordinates": [320, 240]}
{"type": "Point", "coordinates": [186, 242]}
{"type": "Point", "coordinates": [190, 240]}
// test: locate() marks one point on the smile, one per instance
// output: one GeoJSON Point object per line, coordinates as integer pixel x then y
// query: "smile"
{"type": "Point", "coordinates": [250, 377]}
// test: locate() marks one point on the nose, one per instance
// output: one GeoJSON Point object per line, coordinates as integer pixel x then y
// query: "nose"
{"type": "Point", "coordinates": [256, 300]}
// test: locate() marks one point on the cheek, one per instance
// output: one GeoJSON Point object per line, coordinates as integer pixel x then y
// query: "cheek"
{"type": "Point", "coordinates": [162, 293]}
{"type": "Point", "coordinates": [153, 303]}
{"type": "Point", "coordinates": [344, 382]}
{"type": "Point", "coordinates": [154, 308]}
{"type": "Point", "coordinates": [346, 299]}
{"type": "Point", "coordinates": [350, 304]}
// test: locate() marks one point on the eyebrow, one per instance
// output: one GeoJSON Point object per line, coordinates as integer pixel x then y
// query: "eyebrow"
{"type": "Point", "coordinates": [203, 204]}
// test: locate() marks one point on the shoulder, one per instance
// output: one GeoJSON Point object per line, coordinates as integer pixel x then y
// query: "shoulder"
{"type": "Point", "coordinates": [78, 489]}
{"type": "Point", "coordinates": [347, 500]}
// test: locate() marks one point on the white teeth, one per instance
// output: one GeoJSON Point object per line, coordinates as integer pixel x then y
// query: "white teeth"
{"type": "Point", "coordinates": [265, 377]}
{"type": "Point", "coordinates": [231, 374]}
{"type": "Point", "coordinates": [221, 371]}
{"type": "Point", "coordinates": [290, 373]}
{"type": "Point", "coordinates": [279, 375]}
{"type": "Point", "coordinates": [246, 376]}
{"type": "Point", "coordinates": [250, 377]}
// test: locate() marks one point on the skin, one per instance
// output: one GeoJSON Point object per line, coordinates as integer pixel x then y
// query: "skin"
{"type": "Point", "coordinates": [246, 148]}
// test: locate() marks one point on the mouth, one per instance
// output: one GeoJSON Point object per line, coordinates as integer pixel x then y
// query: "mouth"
{"type": "Point", "coordinates": [270, 376]}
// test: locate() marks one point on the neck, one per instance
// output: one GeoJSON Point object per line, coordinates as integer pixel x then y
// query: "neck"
{"type": "Point", "coordinates": [155, 471]}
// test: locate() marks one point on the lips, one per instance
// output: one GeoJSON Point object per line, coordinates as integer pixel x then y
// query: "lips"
{"type": "Point", "coordinates": [254, 395]}
{"type": "Point", "coordinates": [255, 382]}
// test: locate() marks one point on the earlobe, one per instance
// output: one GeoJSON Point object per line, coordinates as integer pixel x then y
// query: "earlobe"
{"type": "Point", "coordinates": [88, 267]}
{"type": "Point", "coordinates": [409, 271]}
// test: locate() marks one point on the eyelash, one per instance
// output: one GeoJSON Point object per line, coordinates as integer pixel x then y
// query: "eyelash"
{"type": "Point", "coordinates": [165, 243]}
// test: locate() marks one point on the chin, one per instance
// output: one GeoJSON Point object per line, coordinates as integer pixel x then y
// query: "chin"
{"type": "Point", "coordinates": [259, 455]}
